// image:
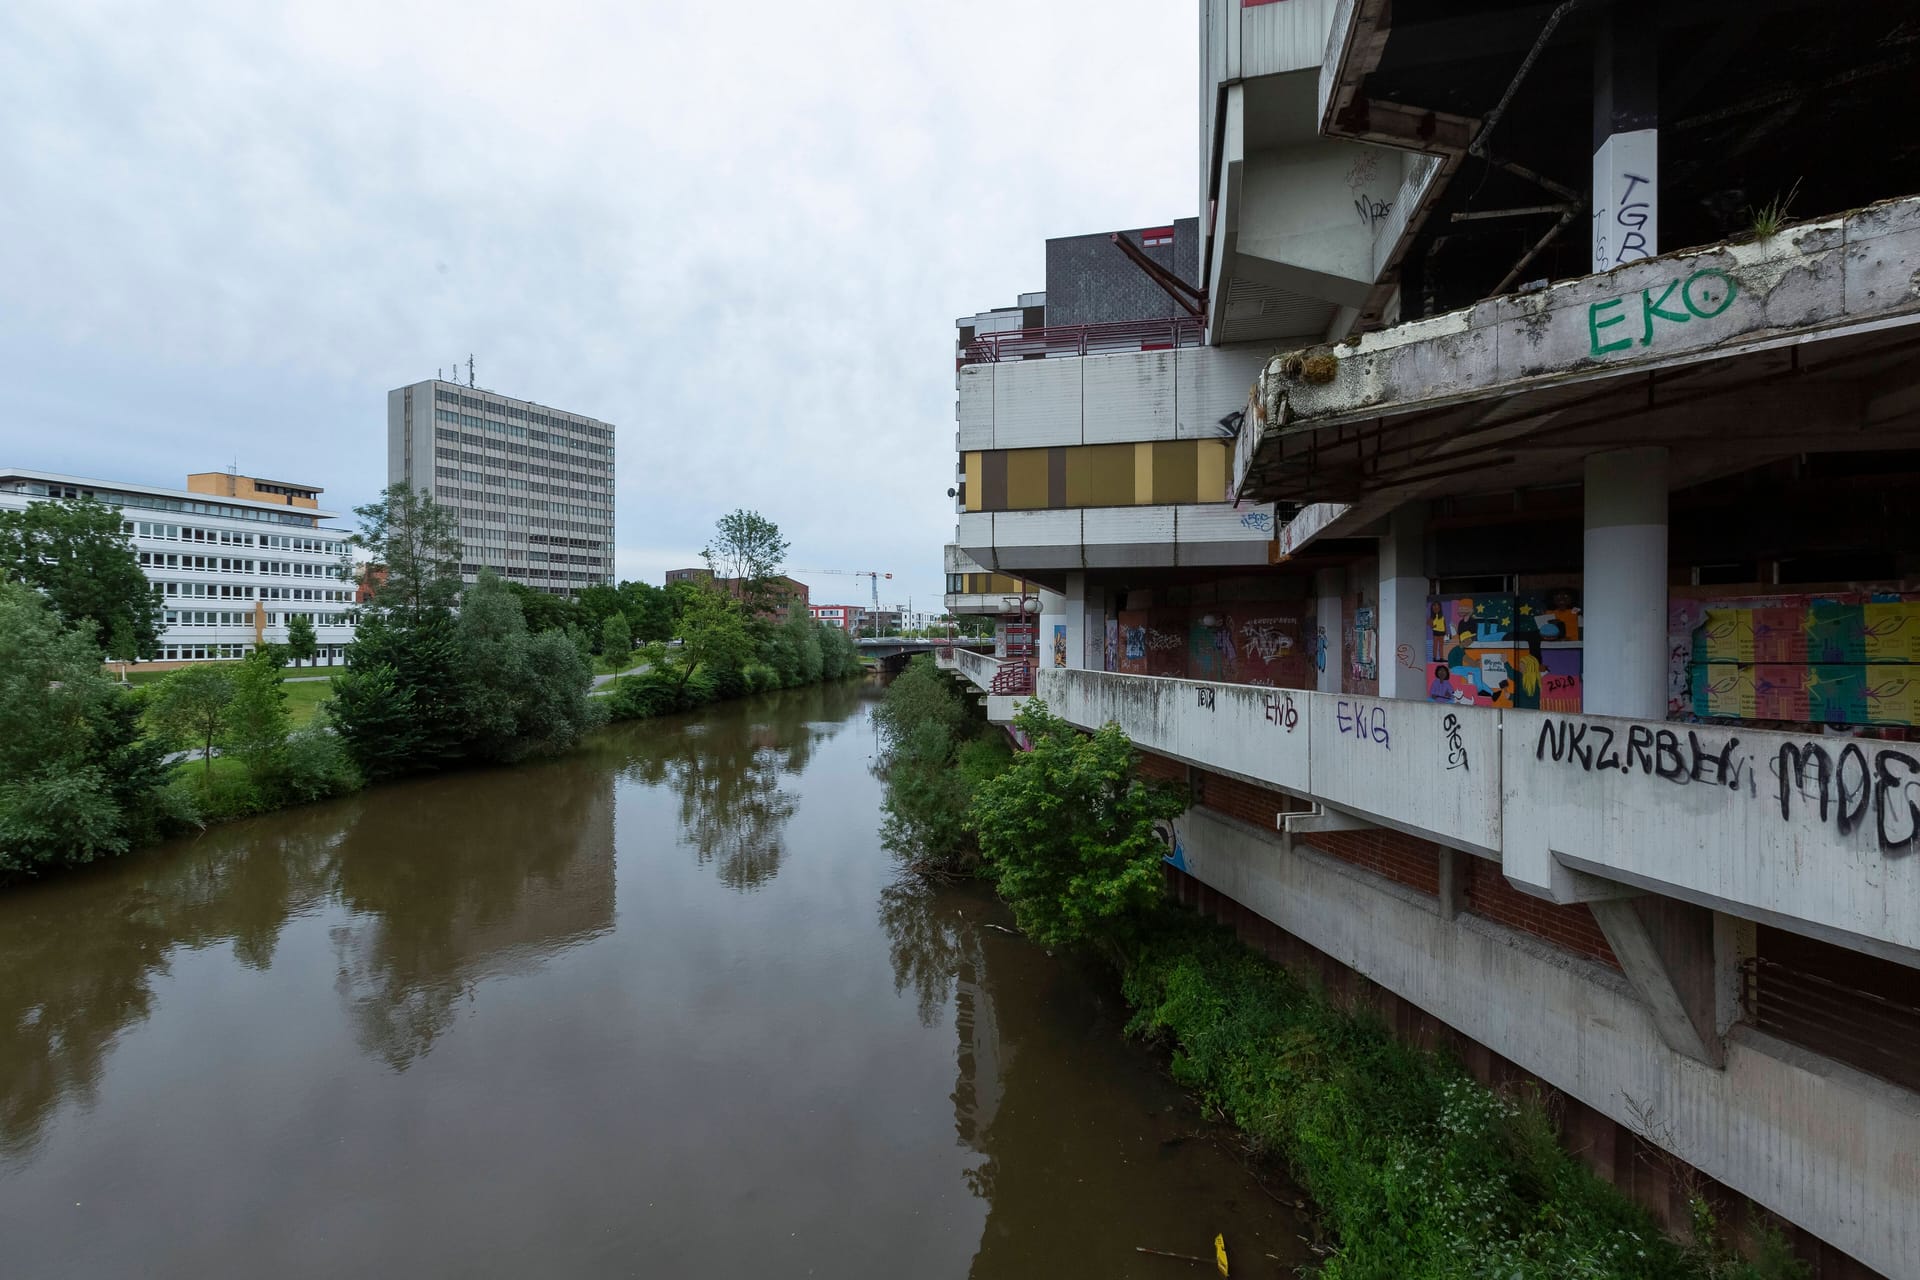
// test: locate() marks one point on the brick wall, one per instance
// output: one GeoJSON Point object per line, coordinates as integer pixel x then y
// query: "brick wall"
{"type": "Point", "coordinates": [1571, 926]}
{"type": "Point", "coordinates": [1160, 768]}
{"type": "Point", "coordinates": [1400, 858]}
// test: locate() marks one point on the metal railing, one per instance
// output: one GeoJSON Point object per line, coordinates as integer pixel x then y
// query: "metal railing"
{"type": "Point", "coordinates": [1085, 339]}
{"type": "Point", "coordinates": [1014, 677]}
{"type": "Point", "coordinates": [1859, 1028]}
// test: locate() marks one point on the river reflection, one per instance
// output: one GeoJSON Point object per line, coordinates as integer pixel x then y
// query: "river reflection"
{"type": "Point", "coordinates": [500, 1023]}
{"type": "Point", "coordinates": [1083, 1149]}
{"type": "Point", "coordinates": [728, 773]}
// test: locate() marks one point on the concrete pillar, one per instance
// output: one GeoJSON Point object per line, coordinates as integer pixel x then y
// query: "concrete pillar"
{"type": "Point", "coordinates": [1734, 941]}
{"type": "Point", "coordinates": [1076, 620]}
{"type": "Point", "coordinates": [1626, 136]}
{"type": "Point", "coordinates": [1453, 881]}
{"type": "Point", "coordinates": [1403, 604]}
{"type": "Point", "coordinates": [1624, 614]}
{"type": "Point", "coordinates": [1329, 586]}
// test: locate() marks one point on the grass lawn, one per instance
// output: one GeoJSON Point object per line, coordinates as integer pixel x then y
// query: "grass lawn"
{"type": "Point", "coordinates": [304, 700]}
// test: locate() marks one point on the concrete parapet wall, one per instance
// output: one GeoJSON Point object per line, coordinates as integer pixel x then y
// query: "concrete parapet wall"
{"type": "Point", "coordinates": [1817, 835]}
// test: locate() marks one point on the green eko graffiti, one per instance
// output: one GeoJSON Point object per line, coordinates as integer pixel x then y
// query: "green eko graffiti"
{"type": "Point", "coordinates": [1698, 295]}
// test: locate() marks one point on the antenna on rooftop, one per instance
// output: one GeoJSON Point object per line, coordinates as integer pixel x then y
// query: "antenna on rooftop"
{"type": "Point", "coordinates": [470, 381]}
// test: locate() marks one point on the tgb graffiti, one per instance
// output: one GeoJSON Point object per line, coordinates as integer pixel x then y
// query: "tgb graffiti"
{"type": "Point", "coordinates": [1852, 786]}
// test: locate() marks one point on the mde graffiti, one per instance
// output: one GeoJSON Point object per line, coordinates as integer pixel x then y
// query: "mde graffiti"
{"type": "Point", "coordinates": [1855, 787]}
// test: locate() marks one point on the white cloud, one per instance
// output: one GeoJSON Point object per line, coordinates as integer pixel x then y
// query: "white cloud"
{"type": "Point", "coordinates": [740, 232]}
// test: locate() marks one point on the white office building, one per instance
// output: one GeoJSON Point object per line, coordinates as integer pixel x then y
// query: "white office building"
{"type": "Point", "coordinates": [237, 558]}
{"type": "Point", "coordinates": [532, 485]}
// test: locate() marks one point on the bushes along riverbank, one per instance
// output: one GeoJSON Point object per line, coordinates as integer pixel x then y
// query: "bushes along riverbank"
{"type": "Point", "coordinates": [1420, 1172]}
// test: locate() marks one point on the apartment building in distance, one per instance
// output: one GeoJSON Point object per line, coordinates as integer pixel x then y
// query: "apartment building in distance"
{"type": "Point", "coordinates": [237, 558]}
{"type": "Point", "coordinates": [1503, 526]}
{"type": "Point", "coordinates": [532, 485]}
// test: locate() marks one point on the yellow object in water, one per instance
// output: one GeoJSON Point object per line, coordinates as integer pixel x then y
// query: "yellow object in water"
{"type": "Point", "coordinates": [1220, 1253]}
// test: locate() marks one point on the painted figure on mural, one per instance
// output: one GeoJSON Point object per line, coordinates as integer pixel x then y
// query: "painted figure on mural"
{"type": "Point", "coordinates": [1457, 656]}
{"type": "Point", "coordinates": [1440, 683]}
{"type": "Point", "coordinates": [1527, 667]}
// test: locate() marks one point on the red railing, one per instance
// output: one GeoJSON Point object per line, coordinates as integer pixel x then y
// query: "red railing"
{"type": "Point", "coordinates": [1014, 676]}
{"type": "Point", "coordinates": [1085, 339]}
{"type": "Point", "coordinates": [945, 653]}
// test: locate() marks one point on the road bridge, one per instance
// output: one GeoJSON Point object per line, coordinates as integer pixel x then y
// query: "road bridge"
{"type": "Point", "coordinates": [892, 653]}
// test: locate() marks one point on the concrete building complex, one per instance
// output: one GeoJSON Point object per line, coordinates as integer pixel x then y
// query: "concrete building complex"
{"type": "Point", "coordinates": [1497, 514]}
{"type": "Point", "coordinates": [533, 485]}
{"type": "Point", "coordinates": [236, 558]}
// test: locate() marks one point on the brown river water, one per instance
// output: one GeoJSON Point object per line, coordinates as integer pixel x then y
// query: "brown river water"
{"type": "Point", "coordinates": [661, 1008]}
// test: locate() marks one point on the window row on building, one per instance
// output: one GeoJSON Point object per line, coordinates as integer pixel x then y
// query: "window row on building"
{"type": "Point", "coordinates": [326, 655]}
{"type": "Point", "coordinates": [245, 618]}
{"type": "Point", "coordinates": [231, 591]}
{"type": "Point", "coordinates": [159, 532]}
{"type": "Point", "coordinates": [231, 564]}
{"type": "Point", "coordinates": [528, 414]}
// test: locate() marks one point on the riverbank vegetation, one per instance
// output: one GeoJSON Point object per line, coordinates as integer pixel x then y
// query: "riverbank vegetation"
{"type": "Point", "coordinates": [439, 676]}
{"type": "Point", "coordinates": [937, 751]}
{"type": "Point", "coordinates": [1420, 1172]}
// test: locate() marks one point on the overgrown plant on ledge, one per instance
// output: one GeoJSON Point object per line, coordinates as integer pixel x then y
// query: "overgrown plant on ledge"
{"type": "Point", "coordinates": [1420, 1172]}
{"type": "Point", "coordinates": [1069, 833]}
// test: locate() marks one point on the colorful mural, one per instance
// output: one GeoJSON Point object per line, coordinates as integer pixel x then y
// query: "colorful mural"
{"type": "Point", "coordinates": [1365, 649]}
{"type": "Point", "coordinates": [1502, 650]}
{"type": "Point", "coordinates": [1059, 644]}
{"type": "Point", "coordinates": [1844, 658]}
{"type": "Point", "coordinates": [1113, 644]}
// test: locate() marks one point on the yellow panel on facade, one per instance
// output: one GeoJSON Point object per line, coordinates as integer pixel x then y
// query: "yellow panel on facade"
{"type": "Point", "coordinates": [973, 481]}
{"type": "Point", "coordinates": [1175, 473]}
{"type": "Point", "coordinates": [1212, 471]}
{"type": "Point", "coordinates": [1026, 479]}
{"type": "Point", "coordinates": [1143, 473]}
{"type": "Point", "coordinates": [1100, 475]}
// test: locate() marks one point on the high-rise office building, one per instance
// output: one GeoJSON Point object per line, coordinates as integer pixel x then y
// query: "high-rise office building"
{"type": "Point", "coordinates": [532, 485]}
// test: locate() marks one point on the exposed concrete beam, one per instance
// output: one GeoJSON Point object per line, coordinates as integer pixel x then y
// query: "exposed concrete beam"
{"type": "Point", "coordinates": [1666, 948]}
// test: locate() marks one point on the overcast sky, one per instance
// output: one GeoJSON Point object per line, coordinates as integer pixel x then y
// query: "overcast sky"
{"type": "Point", "coordinates": [741, 232]}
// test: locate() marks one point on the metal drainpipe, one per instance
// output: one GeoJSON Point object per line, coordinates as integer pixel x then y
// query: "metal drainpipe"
{"type": "Point", "coordinates": [1478, 147]}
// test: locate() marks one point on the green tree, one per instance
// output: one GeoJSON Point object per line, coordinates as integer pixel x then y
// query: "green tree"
{"type": "Point", "coordinates": [616, 640]}
{"type": "Point", "coordinates": [712, 633]}
{"type": "Point", "coordinates": [650, 610]}
{"type": "Point", "coordinates": [256, 722]}
{"type": "Point", "coordinates": [595, 604]}
{"type": "Point", "coordinates": [526, 694]}
{"type": "Point", "coordinates": [417, 541]}
{"type": "Point", "coordinates": [1069, 834]}
{"type": "Point", "coordinates": [401, 704]}
{"type": "Point", "coordinates": [78, 554]}
{"type": "Point", "coordinates": [839, 655]}
{"type": "Point", "coordinates": [747, 547]}
{"type": "Point", "coordinates": [302, 643]}
{"type": "Point", "coordinates": [78, 779]}
{"type": "Point", "coordinates": [545, 611]}
{"type": "Point", "coordinates": [190, 708]}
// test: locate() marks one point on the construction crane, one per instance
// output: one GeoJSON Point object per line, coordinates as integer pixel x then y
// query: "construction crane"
{"type": "Point", "coordinates": [873, 576]}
